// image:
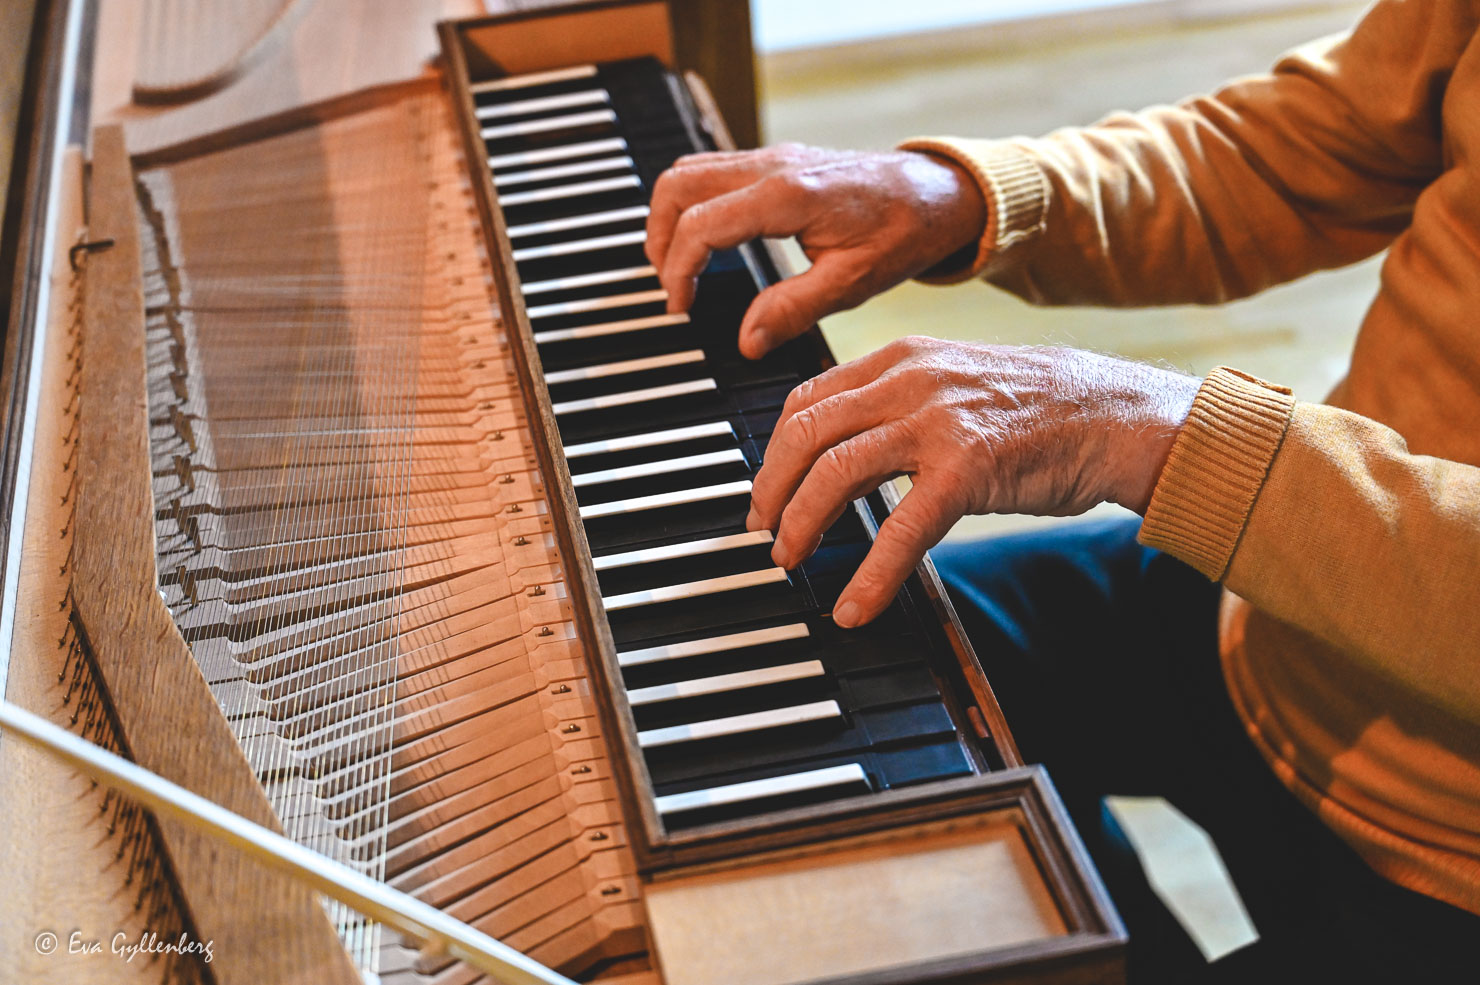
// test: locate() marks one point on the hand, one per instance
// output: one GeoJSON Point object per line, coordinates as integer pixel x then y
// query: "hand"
{"type": "Point", "coordinates": [978, 428]}
{"type": "Point", "coordinates": [866, 221]}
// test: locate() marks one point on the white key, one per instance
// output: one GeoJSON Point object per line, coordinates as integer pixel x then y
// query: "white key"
{"type": "Point", "coordinates": [573, 190]}
{"type": "Point", "coordinates": [597, 304]}
{"type": "Point", "coordinates": [714, 644]}
{"type": "Point", "coordinates": [610, 400]}
{"type": "Point", "coordinates": [671, 436]}
{"type": "Point", "coordinates": [578, 221]}
{"type": "Point", "coordinates": [513, 178]}
{"type": "Point", "coordinates": [589, 280]}
{"type": "Point", "coordinates": [544, 104]}
{"type": "Point", "coordinates": [648, 469]}
{"type": "Point", "coordinates": [635, 238]}
{"type": "Point", "coordinates": [610, 328]}
{"type": "Point", "coordinates": [695, 589]}
{"type": "Point", "coordinates": [681, 497]}
{"type": "Point", "coordinates": [817, 711]}
{"type": "Point", "coordinates": [850, 774]}
{"type": "Point", "coordinates": [534, 79]}
{"type": "Point", "coordinates": [725, 682]}
{"type": "Point", "coordinates": [572, 121]}
{"type": "Point", "coordinates": [626, 366]}
{"type": "Point", "coordinates": [694, 548]}
{"type": "Point", "coordinates": [560, 152]}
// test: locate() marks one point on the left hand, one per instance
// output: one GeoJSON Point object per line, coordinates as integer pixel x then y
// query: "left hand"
{"type": "Point", "coordinates": [979, 429]}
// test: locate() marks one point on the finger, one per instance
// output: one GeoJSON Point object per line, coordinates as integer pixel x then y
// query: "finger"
{"type": "Point", "coordinates": [844, 472]}
{"type": "Point", "coordinates": [691, 180]}
{"type": "Point", "coordinates": [806, 437]}
{"type": "Point", "coordinates": [772, 206]}
{"type": "Point", "coordinates": [789, 307]}
{"type": "Point", "coordinates": [851, 375]}
{"type": "Point", "coordinates": [917, 524]}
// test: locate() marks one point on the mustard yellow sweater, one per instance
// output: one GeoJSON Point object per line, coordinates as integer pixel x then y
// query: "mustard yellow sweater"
{"type": "Point", "coordinates": [1346, 534]}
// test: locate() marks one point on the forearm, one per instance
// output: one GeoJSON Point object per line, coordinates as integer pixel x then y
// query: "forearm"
{"type": "Point", "coordinates": [1314, 165]}
{"type": "Point", "coordinates": [1323, 519]}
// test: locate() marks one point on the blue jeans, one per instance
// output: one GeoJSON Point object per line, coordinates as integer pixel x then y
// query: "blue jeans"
{"type": "Point", "coordinates": [1104, 657]}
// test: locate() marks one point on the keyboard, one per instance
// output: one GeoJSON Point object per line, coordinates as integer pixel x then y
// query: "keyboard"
{"type": "Point", "coordinates": [744, 697]}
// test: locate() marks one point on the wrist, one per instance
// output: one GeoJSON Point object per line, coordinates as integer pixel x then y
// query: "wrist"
{"type": "Point", "coordinates": [1148, 428]}
{"type": "Point", "coordinates": [956, 212]}
{"type": "Point", "coordinates": [1013, 190]}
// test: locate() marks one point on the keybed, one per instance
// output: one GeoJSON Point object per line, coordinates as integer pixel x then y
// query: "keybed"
{"type": "Point", "coordinates": [744, 695]}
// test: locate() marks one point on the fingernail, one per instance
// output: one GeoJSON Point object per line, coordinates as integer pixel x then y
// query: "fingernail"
{"type": "Point", "coordinates": [846, 615]}
{"type": "Point", "coordinates": [752, 519]}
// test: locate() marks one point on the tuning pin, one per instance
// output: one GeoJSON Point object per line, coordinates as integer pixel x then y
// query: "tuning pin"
{"type": "Point", "coordinates": [187, 583]}
{"type": "Point", "coordinates": [184, 471]}
{"type": "Point", "coordinates": [181, 421]}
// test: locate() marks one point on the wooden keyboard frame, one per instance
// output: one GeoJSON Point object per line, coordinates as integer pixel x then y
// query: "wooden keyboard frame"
{"type": "Point", "coordinates": [1093, 948]}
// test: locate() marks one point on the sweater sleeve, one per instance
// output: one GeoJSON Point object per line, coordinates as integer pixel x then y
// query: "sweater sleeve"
{"type": "Point", "coordinates": [1323, 519]}
{"type": "Point", "coordinates": [1314, 165]}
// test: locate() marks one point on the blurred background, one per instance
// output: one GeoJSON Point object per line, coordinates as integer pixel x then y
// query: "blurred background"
{"type": "Point", "coordinates": [868, 73]}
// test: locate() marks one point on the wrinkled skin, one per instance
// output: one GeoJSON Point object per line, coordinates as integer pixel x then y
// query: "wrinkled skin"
{"type": "Point", "coordinates": [978, 428]}
{"type": "Point", "coordinates": [866, 221]}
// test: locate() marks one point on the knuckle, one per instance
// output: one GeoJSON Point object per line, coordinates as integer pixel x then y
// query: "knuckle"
{"type": "Point", "coordinates": [691, 160]}
{"type": "Point", "coordinates": [800, 396]}
{"type": "Point", "coordinates": [912, 529]}
{"type": "Point", "coordinates": [783, 185]}
{"type": "Point", "coordinates": [789, 150]}
{"type": "Point", "coordinates": [803, 428]}
{"type": "Point", "coordinates": [793, 313]}
{"type": "Point", "coordinates": [689, 228]}
{"type": "Point", "coordinates": [837, 464]}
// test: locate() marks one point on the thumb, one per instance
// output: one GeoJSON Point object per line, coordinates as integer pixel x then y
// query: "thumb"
{"type": "Point", "coordinates": [787, 309]}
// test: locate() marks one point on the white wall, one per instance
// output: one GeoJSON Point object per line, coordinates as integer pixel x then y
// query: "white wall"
{"type": "Point", "coordinates": [790, 24]}
{"type": "Point", "coordinates": [783, 24]}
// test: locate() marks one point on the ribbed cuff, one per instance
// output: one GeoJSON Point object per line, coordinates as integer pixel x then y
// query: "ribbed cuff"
{"type": "Point", "coordinates": [1216, 468]}
{"type": "Point", "coordinates": [1012, 185]}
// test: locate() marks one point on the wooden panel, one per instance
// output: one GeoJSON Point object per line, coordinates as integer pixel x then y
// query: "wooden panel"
{"type": "Point", "coordinates": [713, 39]}
{"type": "Point", "coordinates": [149, 673]}
{"type": "Point", "coordinates": [518, 43]}
{"type": "Point", "coordinates": [68, 846]}
{"type": "Point", "coordinates": [855, 907]}
{"type": "Point", "coordinates": [709, 37]}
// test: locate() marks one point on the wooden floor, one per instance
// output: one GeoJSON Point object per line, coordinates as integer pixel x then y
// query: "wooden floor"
{"type": "Point", "coordinates": [997, 82]}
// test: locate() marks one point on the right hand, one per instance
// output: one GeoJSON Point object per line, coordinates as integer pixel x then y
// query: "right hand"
{"type": "Point", "coordinates": [867, 221]}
